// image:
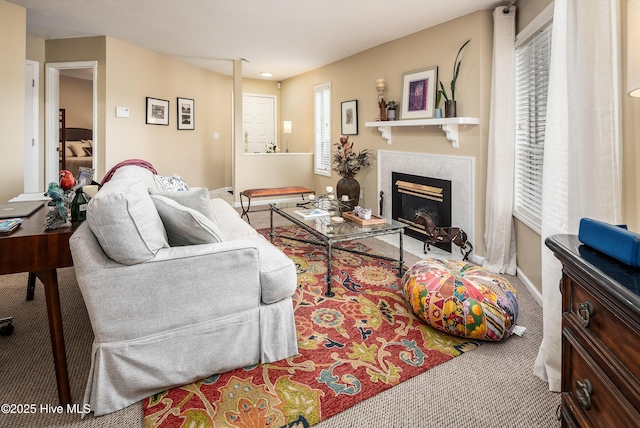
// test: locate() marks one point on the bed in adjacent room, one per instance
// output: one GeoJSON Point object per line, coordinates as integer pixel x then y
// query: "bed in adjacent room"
{"type": "Point", "coordinates": [78, 149]}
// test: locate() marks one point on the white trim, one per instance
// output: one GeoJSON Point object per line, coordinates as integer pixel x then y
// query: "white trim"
{"type": "Point", "coordinates": [528, 221]}
{"type": "Point", "coordinates": [35, 130]}
{"type": "Point", "coordinates": [534, 26]}
{"type": "Point", "coordinates": [530, 287]}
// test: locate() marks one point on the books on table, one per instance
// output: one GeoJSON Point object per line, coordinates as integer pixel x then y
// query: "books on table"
{"type": "Point", "coordinates": [9, 225]}
{"type": "Point", "coordinates": [311, 213]}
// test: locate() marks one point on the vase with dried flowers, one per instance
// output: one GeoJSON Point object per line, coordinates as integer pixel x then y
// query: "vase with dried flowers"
{"type": "Point", "coordinates": [347, 163]}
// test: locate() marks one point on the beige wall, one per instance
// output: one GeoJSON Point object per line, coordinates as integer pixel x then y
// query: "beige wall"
{"type": "Point", "coordinates": [134, 73]}
{"type": "Point", "coordinates": [12, 72]}
{"type": "Point", "coordinates": [354, 78]}
{"type": "Point", "coordinates": [76, 98]}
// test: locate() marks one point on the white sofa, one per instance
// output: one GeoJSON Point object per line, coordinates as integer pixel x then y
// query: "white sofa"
{"type": "Point", "coordinates": [178, 287]}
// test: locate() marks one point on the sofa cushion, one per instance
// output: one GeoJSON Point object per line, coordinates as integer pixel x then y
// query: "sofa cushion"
{"type": "Point", "coordinates": [196, 198]}
{"type": "Point", "coordinates": [278, 276]}
{"type": "Point", "coordinates": [184, 225]}
{"type": "Point", "coordinates": [125, 221]}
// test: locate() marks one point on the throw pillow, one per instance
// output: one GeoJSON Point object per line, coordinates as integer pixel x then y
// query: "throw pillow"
{"type": "Point", "coordinates": [173, 183]}
{"type": "Point", "coordinates": [185, 226]}
{"type": "Point", "coordinates": [77, 148]}
{"type": "Point", "coordinates": [88, 151]}
{"type": "Point", "coordinates": [196, 198]}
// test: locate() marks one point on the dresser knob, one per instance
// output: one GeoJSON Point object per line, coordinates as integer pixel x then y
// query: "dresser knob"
{"type": "Point", "coordinates": [584, 397]}
{"type": "Point", "coordinates": [585, 312]}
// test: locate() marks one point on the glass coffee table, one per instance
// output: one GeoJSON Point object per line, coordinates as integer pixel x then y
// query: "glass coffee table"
{"type": "Point", "coordinates": [328, 233]}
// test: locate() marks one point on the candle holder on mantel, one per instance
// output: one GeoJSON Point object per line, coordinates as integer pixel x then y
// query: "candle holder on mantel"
{"type": "Point", "coordinates": [381, 86]}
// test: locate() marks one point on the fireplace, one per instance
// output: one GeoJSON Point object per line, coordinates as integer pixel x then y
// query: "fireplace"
{"type": "Point", "coordinates": [413, 193]}
{"type": "Point", "coordinates": [457, 169]}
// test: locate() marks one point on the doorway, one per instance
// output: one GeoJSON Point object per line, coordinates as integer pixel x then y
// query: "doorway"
{"type": "Point", "coordinates": [87, 69]}
{"type": "Point", "coordinates": [258, 122]}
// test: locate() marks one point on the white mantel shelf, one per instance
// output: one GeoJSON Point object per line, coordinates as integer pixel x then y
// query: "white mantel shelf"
{"type": "Point", "coordinates": [449, 125]}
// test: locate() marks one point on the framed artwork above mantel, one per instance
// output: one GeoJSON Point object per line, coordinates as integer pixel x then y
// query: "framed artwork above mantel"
{"type": "Point", "coordinates": [419, 93]}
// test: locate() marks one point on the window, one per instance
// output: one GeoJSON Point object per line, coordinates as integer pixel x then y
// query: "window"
{"type": "Point", "coordinates": [322, 146]}
{"type": "Point", "coordinates": [533, 54]}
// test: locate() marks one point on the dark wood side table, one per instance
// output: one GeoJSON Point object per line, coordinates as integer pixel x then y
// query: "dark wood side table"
{"type": "Point", "coordinates": [39, 252]}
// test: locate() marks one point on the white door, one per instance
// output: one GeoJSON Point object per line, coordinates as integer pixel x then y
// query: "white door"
{"type": "Point", "coordinates": [32, 182]}
{"type": "Point", "coordinates": [259, 122]}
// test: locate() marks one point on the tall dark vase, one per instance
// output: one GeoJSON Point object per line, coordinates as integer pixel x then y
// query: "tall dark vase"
{"type": "Point", "coordinates": [349, 186]}
{"type": "Point", "coordinates": [450, 109]}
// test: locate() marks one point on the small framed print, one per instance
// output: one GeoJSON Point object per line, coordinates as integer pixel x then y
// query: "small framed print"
{"type": "Point", "coordinates": [419, 93]}
{"type": "Point", "coordinates": [157, 111]}
{"type": "Point", "coordinates": [186, 113]}
{"type": "Point", "coordinates": [349, 117]}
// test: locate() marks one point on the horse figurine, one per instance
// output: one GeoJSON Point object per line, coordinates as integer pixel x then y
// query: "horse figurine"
{"type": "Point", "coordinates": [445, 235]}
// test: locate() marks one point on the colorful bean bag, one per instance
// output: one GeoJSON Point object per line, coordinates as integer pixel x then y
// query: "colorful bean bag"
{"type": "Point", "coordinates": [462, 299]}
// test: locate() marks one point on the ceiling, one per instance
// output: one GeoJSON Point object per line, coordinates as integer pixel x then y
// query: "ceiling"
{"type": "Point", "coordinates": [284, 37]}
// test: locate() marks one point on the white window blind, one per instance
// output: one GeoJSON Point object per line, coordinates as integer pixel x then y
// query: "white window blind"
{"type": "Point", "coordinates": [322, 146]}
{"type": "Point", "coordinates": [532, 81]}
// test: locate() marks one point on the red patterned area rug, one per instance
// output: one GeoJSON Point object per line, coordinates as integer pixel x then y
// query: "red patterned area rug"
{"type": "Point", "coordinates": [352, 346]}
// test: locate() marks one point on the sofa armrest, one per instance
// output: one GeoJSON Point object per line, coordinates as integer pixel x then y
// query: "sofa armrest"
{"type": "Point", "coordinates": [181, 286]}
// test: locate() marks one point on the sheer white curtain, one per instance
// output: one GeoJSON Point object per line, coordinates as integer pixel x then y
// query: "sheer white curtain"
{"type": "Point", "coordinates": [499, 236]}
{"type": "Point", "coordinates": [582, 175]}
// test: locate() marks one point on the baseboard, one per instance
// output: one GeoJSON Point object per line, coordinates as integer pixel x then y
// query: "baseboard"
{"type": "Point", "coordinates": [530, 287]}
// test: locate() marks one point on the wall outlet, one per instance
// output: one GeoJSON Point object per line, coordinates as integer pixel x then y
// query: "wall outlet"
{"type": "Point", "coordinates": [361, 194]}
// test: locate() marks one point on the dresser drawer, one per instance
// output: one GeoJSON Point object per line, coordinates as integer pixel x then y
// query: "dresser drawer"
{"type": "Point", "coordinates": [592, 397]}
{"type": "Point", "coordinates": [611, 329]}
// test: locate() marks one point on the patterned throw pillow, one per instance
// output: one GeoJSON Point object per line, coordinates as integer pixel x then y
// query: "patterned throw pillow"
{"type": "Point", "coordinates": [173, 183]}
{"type": "Point", "coordinates": [461, 299]}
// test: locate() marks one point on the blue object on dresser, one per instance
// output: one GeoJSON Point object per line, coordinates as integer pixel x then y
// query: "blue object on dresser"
{"type": "Point", "coordinates": [614, 241]}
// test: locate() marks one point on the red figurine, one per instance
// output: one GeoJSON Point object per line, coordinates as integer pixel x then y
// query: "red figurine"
{"type": "Point", "coordinates": [67, 180]}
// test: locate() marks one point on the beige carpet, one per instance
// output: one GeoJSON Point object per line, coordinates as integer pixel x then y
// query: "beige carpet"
{"type": "Point", "coordinates": [489, 386]}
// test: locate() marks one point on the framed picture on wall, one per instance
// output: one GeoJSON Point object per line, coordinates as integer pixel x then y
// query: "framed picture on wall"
{"type": "Point", "coordinates": [157, 111]}
{"type": "Point", "coordinates": [186, 113]}
{"type": "Point", "coordinates": [349, 117]}
{"type": "Point", "coordinates": [419, 93]}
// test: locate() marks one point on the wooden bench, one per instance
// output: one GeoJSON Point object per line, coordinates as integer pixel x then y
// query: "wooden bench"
{"type": "Point", "coordinates": [270, 192]}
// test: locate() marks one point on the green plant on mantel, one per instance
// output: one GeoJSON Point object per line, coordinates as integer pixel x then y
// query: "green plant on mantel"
{"type": "Point", "coordinates": [392, 105]}
{"type": "Point", "coordinates": [456, 71]}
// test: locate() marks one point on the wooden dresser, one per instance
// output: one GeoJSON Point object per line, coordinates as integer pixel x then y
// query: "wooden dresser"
{"type": "Point", "coordinates": [600, 337]}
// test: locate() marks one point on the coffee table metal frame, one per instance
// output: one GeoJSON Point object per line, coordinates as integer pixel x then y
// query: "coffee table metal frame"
{"type": "Point", "coordinates": [328, 234]}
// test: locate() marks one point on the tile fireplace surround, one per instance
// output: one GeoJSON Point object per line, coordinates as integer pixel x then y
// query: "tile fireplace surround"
{"type": "Point", "coordinates": [458, 169]}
